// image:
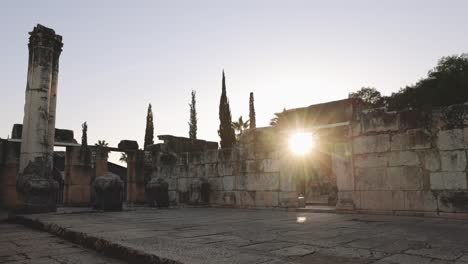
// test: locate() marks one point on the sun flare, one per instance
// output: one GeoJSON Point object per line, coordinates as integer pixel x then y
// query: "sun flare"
{"type": "Point", "coordinates": [301, 143]}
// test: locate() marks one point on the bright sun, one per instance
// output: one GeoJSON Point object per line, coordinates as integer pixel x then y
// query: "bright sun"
{"type": "Point", "coordinates": [301, 143]}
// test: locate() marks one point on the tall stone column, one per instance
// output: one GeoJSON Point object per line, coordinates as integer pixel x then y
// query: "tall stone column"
{"type": "Point", "coordinates": [35, 185]}
{"type": "Point", "coordinates": [53, 100]}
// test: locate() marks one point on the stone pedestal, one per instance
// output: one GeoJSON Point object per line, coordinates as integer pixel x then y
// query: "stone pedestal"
{"type": "Point", "coordinates": [109, 192]}
{"type": "Point", "coordinates": [35, 185]}
{"type": "Point", "coordinates": [78, 174]}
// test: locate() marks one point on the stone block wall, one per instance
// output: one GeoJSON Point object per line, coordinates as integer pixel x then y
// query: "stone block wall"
{"type": "Point", "coordinates": [409, 162]}
{"type": "Point", "coordinates": [9, 165]}
{"type": "Point", "coordinates": [246, 176]}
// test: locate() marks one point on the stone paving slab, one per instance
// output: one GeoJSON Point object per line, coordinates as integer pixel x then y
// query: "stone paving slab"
{"type": "Point", "coordinates": [216, 235]}
{"type": "Point", "coordinates": [19, 244]}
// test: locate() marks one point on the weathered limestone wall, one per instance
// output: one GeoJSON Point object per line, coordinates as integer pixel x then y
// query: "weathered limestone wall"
{"type": "Point", "coordinates": [408, 162]}
{"type": "Point", "coordinates": [247, 176]}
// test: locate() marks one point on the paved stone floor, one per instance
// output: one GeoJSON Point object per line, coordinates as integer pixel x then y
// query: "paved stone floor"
{"type": "Point", "coordinates": [19, 244]}
{"type": "Point", "coordinates": [214, 235]}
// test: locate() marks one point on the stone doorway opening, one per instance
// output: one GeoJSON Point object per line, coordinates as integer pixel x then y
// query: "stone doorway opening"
{"type": "Point", "coordinates": [120, 170]}
{"type": "Point", "coordinates": [317, 179]}
{"type": "Point", "coordinates": [58, 172]}
{"type": "Point", "coordinates": [317, 182]}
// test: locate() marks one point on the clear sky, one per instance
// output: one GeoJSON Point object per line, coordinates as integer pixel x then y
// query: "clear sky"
{"type": "Point", "coordinates": [118, 56]}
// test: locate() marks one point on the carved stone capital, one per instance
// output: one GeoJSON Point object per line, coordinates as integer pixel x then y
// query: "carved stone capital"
{"type": "Point", "coordinates": [45, 37]}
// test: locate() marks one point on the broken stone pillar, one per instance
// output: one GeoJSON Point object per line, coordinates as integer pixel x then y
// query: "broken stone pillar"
{"type": "Point", "coordinates": [78, 175]}
{"type": "Point", "coordinates": [135, 178]}
{"type": "Point", "coordinates": [35, 185]}
{"type": "Point", "coordinates": [102, 154]}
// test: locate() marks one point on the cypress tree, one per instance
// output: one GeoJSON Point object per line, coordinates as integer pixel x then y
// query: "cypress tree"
{"type": "Point", "coordinates": [149, 132]}
{"type": "Point", "coordinates": [226, 132]}
{"type": "Point", "coordinates": [84, 134]}
{"type": "Point", "coordinates": [253, 122]}
{"type": "Point", "coordinates": [193, 117]}
{"type": "Point", "coordinates": [84, 151]}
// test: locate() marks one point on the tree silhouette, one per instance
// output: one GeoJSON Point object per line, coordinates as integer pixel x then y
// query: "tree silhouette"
{"type": "Point", "coordinates": [193, 117]}
{"type": "Point", "coordinates": [123, 157]}
{"type": "Point", "coordinates": [101, 143]}
{"type": "Point", "coordinates": [240, 126]}
{"type": "Point", "coordinates": [252, 118]}
{"type": "Point", "coordinates": [446, 84]}
{"type": "Point", "coordinates": [149, 132]}
{"type": "Point", "coordinates": [370, 96]}
{"type": "Point", "coordinates": [102, 146]}
{"type": "Point", "coordinates": [85, 155]}
{"type": "Point", "coordinates": [275, 120]}
{"type": "Point", "coordinates": [225, 132]}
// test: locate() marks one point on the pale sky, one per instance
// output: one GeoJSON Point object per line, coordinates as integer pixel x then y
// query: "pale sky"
{"type": "Point", "coordinates": [118, 56]}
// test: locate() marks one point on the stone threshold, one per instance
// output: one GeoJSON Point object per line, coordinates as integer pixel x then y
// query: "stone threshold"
{"type": "Point", "coordinates": [317, 209]}
{"type": "Point", "coordinates": [410, 213]}
{"type": "Point", "coordinates": [95, 243]}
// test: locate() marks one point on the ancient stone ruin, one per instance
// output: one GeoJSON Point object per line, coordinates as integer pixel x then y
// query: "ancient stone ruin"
{"type": "Point", "coordinates": [35, 185]}
{"type": "Point", "coordinates": [363, 160]}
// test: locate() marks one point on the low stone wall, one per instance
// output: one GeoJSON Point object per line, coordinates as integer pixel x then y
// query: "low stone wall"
{"type": "Point", "coordinates": [409, 162]}
{"type": "Point", "coordinates": [246, 176]}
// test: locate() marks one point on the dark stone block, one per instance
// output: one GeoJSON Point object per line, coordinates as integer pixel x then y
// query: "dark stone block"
{"type": "Point", "coordinates": [414, 119]}
{"type": "Point", "coordinates": [168, 159]}
{"type": "Point", "coordinates": [128, 145]}
{"type": "Point", "coordinates": [184, 197]}
{"type": "Point", "coordinates": [17, 130]}
{"type": "Point", "coordinates": [157, 193]}
{"type": "Point", "coordinates": [211, 145]}
{"type": "Point", "coordinates": [318, 114]}
{"type": "Point", "coordinates": [183, 144]}
{"type": "Point", "coordinates": [154, 148]}
{"type": "Point", "coordinates": [205, 193]}
{"type": "Point", "coordinates": [455, 200]}
{"type": "Point", "coordinates": [61, 135]}
{"type": "Point", "coordinates": [64, 135]}
{"type": "Point", "coordinates": [108, 192]}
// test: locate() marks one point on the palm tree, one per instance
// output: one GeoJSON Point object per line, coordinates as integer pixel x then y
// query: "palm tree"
{"type": "Point", "coordinates": [102, 146]}
{"type": "Point", "coordinates": [240, 126]}
{"type": "Point", "coordinates": [101, 143]}
{"type": "Point", "coordinates": [123, 157]}
{"type": "Point", "coordinates": [274, 121]}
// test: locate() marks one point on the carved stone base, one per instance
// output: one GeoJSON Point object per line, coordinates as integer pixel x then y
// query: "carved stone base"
{"type": "Point", "coordinates": [36, 195]}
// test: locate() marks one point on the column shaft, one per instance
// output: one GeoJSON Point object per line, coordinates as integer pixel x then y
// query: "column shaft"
{"type": "Point", "coordinates": [35, 185]}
